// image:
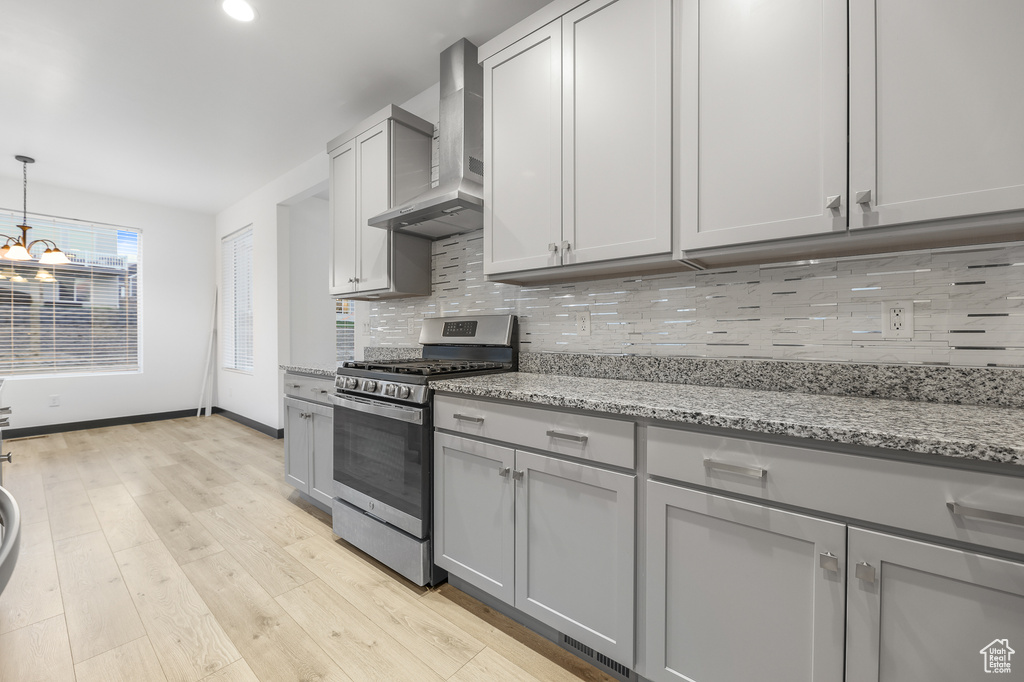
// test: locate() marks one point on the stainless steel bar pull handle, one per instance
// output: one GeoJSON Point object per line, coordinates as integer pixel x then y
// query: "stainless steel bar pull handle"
{"type": "Point", "coordinates": [1001, 517]}
{"type": "Point", "coordinates": [576, 438]}
{"type": "Point", "coordinates": [467, 418]}
{"type": "Point", "coordinates": [503, 471]}
{"type": "Point", "coordinates": [5, 422]}
{"type": "Point", "coordinates": [829, 561]}
{"type": "Point", "coordinates": [865, 571]}
{"type": "Point", "coordinates": [5, 410]}
{"type": "Point", "coordinates": [6, 458]}
{"type": "Point", "coordinates": [753, 472]}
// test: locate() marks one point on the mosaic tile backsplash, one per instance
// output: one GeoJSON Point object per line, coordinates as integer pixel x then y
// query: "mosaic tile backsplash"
{"type": "Point", "coordinates": [968, 307]}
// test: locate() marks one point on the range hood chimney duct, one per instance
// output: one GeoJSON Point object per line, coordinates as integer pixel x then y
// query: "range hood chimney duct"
{"type": "Point", "coordinates": [456, 204]}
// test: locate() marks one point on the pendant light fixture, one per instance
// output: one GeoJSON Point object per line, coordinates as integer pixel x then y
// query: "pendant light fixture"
{"type": "Point", "coordinates": [20, 248]}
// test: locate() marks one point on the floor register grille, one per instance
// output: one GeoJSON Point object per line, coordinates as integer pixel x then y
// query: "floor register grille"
{"type": "Point", "coordinates": [597, 657]}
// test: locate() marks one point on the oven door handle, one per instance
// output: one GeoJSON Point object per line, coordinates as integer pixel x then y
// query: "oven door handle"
{"type": "Point", "coordinates": [413, 415]}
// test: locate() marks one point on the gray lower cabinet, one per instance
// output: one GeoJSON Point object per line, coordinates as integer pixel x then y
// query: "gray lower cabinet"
{"type": "Point", "coordinates": [740, 591]}
{"type": "Point", "coordinates": [309, 448]}
{"type": "Point", "coordinates": [920, 612]}
{"type": "Point", "coordinates": [552, 537]}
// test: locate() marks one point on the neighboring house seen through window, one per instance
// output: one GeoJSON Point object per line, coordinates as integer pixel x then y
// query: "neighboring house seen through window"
{"type": "Point", "coordinates": [345, 329]}
{"type": "Point", "coordinates": [81, 317]}
{"type": "Point", "coordinates": [236, 300]}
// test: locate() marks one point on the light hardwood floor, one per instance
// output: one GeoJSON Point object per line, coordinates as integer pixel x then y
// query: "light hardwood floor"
{"type": "Point", "coordinates": [173, 550]}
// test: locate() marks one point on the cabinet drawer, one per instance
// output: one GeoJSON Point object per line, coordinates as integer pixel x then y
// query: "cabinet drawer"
{"type": "Point", "coordinates": [308, 388]}
{"type": "Point", "coordinates": [609, 441]}
{"type": "Point", "coordinates": [915, 497]}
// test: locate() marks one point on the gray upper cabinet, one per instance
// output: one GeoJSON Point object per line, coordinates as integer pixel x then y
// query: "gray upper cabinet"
{"type": "Point", "coordinates": [936, 103]}
{"type": "Point", "coordinates": [739, 591]}
{"type": "Point", "coordinates": [918, 611]}
{"type": "Point", "coordinates": [761, 107]}
{"type": "Point", "coordinates": [577, 135]}
{"type": "Point", "coordinates": [380, 163]}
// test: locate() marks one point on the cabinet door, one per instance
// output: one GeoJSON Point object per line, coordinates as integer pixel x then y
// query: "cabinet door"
{"type": "Point", "coordinates": [296, 444]}
{"type": "Point", "coordinates": [617, 134]}
{"type": "Point", "coordinates": [935, 109]}
{"type": "Point", "coordinates": [321, 482]}
{"type": "Point", "coordinates": [736, 591]}
{"type": "Point", "coordinates": [575, 551]}
{"type": "Point", "coordinates": [523, 148]}
{"type": "Point", "coordinates": [920, 612]}
{"type": "Point", "coordinates": [374, 192]}
{"type": "Point", "coordinates": [474, 513]}
{"type": "Point", "coordinates": [762, 120]}
{"type": "Point", "coordinates": [343, 219]}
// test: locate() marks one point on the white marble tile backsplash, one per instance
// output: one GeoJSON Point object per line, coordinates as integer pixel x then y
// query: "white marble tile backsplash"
{"type": "Point", "coordinates": [968, 308]}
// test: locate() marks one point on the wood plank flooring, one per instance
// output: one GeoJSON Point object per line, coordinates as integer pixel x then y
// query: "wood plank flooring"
{"type": "Point", "coordinates": [173, 551]}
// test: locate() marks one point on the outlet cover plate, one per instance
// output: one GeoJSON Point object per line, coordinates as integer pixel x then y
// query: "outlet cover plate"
{"type": "Point", "coordinates": [583, 324]}
{"type": "Point", "coordinates": [897, 320]}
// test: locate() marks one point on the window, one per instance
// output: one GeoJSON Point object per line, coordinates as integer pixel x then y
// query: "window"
{"type": "Point", "coordinates": [345, 326]}
{"type": "Point", "coordinates": [81, 317]}
{"type": "Point", "coordinates": [236, 304]}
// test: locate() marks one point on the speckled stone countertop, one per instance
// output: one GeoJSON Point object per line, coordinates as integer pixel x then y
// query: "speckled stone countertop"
{"type": "Point", "coordinates": [309, 371]}
{"type": "Point", "coordinates": [993, 434]}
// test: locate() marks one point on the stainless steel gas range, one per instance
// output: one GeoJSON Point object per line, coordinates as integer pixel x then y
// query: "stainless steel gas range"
{"type": "Point", "coordinates": [383, 436]}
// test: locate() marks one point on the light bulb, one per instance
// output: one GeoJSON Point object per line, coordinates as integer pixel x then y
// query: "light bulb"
{"type": "Point", "coordinates": [240, 10]}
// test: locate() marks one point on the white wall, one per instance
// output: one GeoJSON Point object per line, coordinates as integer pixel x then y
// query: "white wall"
{"type": "Point", "coordinates": [311, 316]}
{"type": "Point", "coordinates": [258, 395]}
{"type": "Point", "coordinates": [177, 301]}
{"type": "Point", "coordinates": [272, 210]}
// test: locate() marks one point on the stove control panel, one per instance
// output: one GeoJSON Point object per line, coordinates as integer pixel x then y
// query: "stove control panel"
{"type": "Point", "coordinates": [408, 393]}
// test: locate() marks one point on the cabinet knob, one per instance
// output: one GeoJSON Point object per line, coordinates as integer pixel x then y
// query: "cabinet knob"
{"type": "Point", "coordinates": [517, 475]}
{"type": "Point", "coordinates": [864, 197]}
{"type": "Point", "coordinates": [865, 572]}
{"type": "Point", "coordinates": [351, 281]}
{"type": "Point", "coordinates": [829, 561]}
{"type": "Point", "coordinates": [566, 246]}
{"type": "Point", "coordinates": [503, 471]}
{"type": "Point", "coordinates": [6, 458]}
{"type": "Point", "coordinates": [834, 202]}
{"type": "Point", "coordinates": [553, 247]}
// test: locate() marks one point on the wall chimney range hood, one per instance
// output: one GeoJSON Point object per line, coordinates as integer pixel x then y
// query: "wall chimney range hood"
{"type": "Point", "coordinates": [456, 204]}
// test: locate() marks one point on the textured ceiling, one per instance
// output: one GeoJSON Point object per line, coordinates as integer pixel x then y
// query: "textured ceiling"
{"type": "Point", "coordinates": [172, 102]}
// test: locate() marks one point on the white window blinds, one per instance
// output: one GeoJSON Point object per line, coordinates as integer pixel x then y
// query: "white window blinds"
{"type": "Point", "coordinates": [236, 305]}
{"type": "Point", "coordinates": [81, 317]}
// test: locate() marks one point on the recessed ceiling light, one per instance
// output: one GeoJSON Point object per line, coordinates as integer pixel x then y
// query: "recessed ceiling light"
{"type": "Point", "coordinates": [239, 9]}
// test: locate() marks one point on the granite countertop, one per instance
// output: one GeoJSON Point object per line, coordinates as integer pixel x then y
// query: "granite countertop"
{"type": "Point", "coordinates": [310, 371]}
{"type": "Point", "coordinates": [965, 431]}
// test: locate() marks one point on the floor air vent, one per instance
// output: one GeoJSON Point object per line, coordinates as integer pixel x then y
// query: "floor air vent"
{"type": "Point", "coordinates": [596, 656]}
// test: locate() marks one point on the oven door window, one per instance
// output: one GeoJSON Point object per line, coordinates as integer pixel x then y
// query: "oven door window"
{"type": "Point", "coordinates": [386, 459]}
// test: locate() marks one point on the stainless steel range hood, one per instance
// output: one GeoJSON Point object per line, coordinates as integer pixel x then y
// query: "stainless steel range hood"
{"type": "Point", "coordinates": [456, 204]}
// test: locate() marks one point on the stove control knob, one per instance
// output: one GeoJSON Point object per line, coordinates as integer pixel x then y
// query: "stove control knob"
{"type": "Point", "coordinates": [403, 391]}
{"type": "Point", "coordinates": [351, 383]}
{"type": "Point", "coordinates": [370, 386]}
{"type": "Point", "coordinates": [389, 390]}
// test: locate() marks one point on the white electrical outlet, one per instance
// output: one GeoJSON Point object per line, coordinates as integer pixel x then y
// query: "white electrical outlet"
{"type": "Point", "coordinates": [366, 328]}
{"type": "Point", "coordinates": [583, 324]}
{"type": "Point", "coordinates": [54, 401]}
{"type": "Point", "coordinates": [897, 321]}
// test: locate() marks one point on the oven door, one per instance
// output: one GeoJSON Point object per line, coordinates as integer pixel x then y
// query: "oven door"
{"type": "Point", "coordinates": [382, 460]}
